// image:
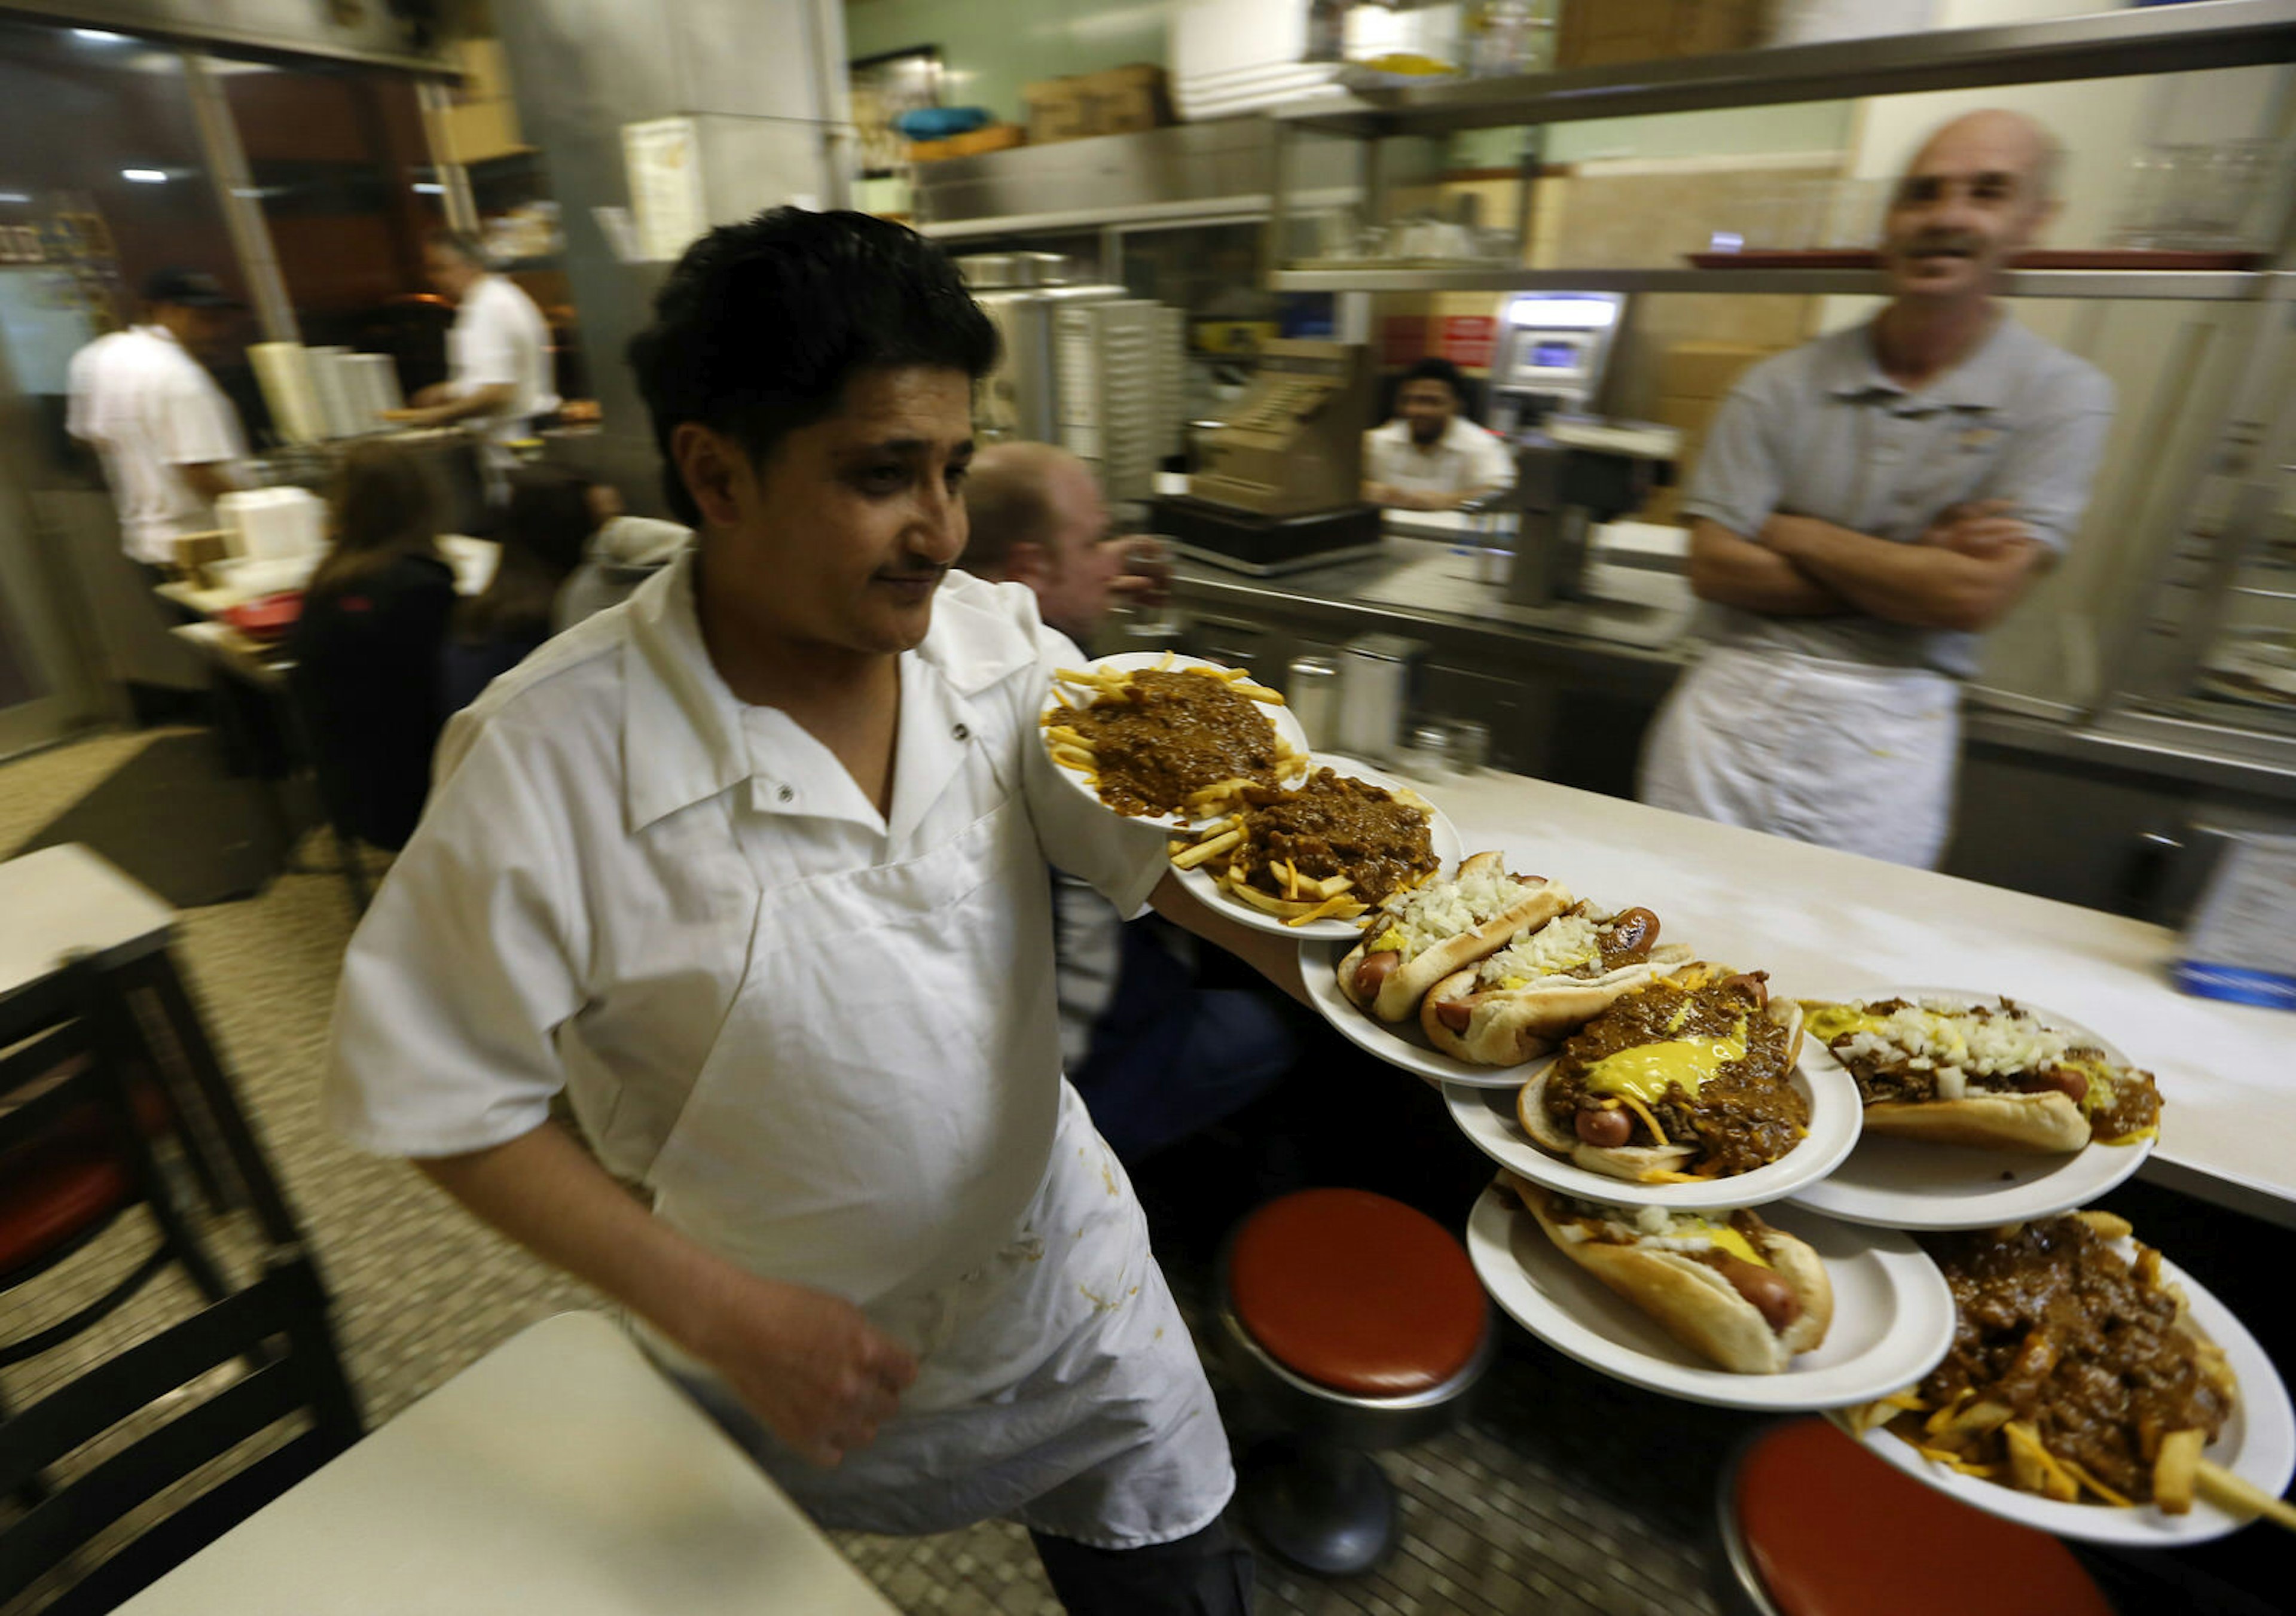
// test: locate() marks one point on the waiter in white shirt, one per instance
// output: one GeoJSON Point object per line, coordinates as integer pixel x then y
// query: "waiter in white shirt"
{"type": "Point", "coordinates": [497, 354]}
{"type": "Point", "coordinates": [1431, 457]}
{"type": "Point", "coordinates": [751, 866]}
{"type": "Point", "coordinates": [170, 442]}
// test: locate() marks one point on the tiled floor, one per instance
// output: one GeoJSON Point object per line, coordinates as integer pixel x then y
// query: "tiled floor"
{"type": "Point", "coordinates": [1564, 1493]}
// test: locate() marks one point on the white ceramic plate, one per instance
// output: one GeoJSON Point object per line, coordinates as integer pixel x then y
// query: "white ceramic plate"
{"type": "Point", "coordinates": [1441, 832]}
{"type": "Point", "coordinates": [1905, 1184]}
{"type": "Point", "coordinates": [1286, 722]}
{"type": "Point", "coordinates": [2256, 1444]}
{"type": "Point", "coordinates": [1488, 1117]}
{"type": "Point", "coordinates": [1893, 1314]}
{"type": "Point", "coordinates": [1403, 1044]}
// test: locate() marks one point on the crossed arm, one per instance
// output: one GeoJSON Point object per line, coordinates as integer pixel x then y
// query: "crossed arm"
{"type": "Point", "coordinates": [1972, 564]}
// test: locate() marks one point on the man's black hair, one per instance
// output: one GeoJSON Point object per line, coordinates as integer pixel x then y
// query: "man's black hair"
{"type": "Point", "coordinates": [762, 323]}
{"type": "Point", "coordinates": [1434, 367]}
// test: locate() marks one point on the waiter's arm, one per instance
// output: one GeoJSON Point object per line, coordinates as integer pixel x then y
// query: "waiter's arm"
{"type": "Point", "coordinates": [809, 1363]}
{"type": "Point", "coordinates": [1928, 585]}
{"type": "Point", "coordinates": [491, 400]}
{"type": "Point", "coordinates": [1734, 572]}
{"type": "Point", "coordinates": [1274, 957]}
{"type": "Point", "coordinates": [209, 480]}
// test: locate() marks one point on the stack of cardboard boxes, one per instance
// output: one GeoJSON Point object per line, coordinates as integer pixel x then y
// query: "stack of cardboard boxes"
{"type": "Point", "coordinates": [483, 121]}
{"type": "Point", "coordinates": [1598, 33]}
{"type": "Point", "coordinates": [1118, 101]}
{"type": "Point", "coordinates": [1694, 378]}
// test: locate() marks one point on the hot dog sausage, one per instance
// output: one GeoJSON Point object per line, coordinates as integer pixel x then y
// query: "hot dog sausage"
{"type": "Point", "coordinates": [2064, 1079]}
{"type": "Point", "coordinates": [1754, 984]}
{"type": "Point", "coordinates": [1456, 1013]}
{"type": "Point", "coordinates": [1373, 971]}
{"type": "Point", "coordinates": [1632, 934]}
{"type": "Point", "coordinates": [1772, 1297]}
{"type": "Point", "coordinates": [1605, 1129]}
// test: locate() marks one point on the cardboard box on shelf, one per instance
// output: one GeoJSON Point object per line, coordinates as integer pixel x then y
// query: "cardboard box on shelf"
{"type": "Point", "coordinates": [1705, 370]}
{"type": "Point", "coordinates": [1116, 101]}
{"type": "Point", "coordinates": [1600, 33]}
{"type": "Point", "coordinates": [972, 142]}
{"type": "Point", "coordinates": [480, 129]}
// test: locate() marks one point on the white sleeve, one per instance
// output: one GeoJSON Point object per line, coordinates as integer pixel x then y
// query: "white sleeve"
{"type": "Point", "coordinates": [455, 982]}
{"type": "Point", "coordinates": [1489, 465]}
{"type": "Point", "coordinates": [80, 416]}
{"type": "Point", "coordinates": [488, 352]}
{"type": "Point", "coordinates": [1374, 457]}
{"type": "Point", "coordinates": [193, 423]}
{"type": "Point", "coordinates": [1122, 860]}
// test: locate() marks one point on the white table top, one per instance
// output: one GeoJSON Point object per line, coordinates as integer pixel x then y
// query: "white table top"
{"type": "Point", "coordinates": [473, 560]}
{"type": "Point", "coordinates": [559, 1473]}
{"type": "Point", "coordinates": [1827, 924]}
{"type": "Point", "coordinates": [65, 900]}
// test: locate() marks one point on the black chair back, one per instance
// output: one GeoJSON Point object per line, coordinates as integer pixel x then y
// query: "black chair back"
{"type": "Point", "coordinates": [279, 1325]}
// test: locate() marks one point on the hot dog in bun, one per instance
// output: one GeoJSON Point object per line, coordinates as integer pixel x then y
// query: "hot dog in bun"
{"type": "Point", "coordinates": [1988, 1075]}
{"type": "Point", "coordinates": [1725, 1284]}
{"type": "Point", "coordinates": [1684, 1078]}
{"type": "Point", "coordinates": [1511, 1007]}
{"type": "Point", "coordinates": [1416, 939]}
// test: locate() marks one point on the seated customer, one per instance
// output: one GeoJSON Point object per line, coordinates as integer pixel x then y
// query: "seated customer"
{"type": "Point", "coordinates": [1431, 457]}
{"type": "Point", "coordinates": [1156, 1053]}
{"type": "Point", "coordinates": [623, 553]}
{"type": "Point", "coordinates": [544, 529]}
{"type": "Point", "coordinates": [367, 650]}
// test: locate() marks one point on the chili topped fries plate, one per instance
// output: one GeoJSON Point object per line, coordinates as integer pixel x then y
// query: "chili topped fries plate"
{"type": "Point", "coordinates": [1169, 740]}
{"type": "Point", "coordinates": [1236, 865]}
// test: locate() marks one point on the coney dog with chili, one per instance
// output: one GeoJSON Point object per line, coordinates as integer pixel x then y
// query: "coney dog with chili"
{"type": "Point", "coordinates": [1512, 1005]}
{"type": "Point", "coordinates": [1416, 939]}
{"type": "Point", "coordinates": [1726, 1284]}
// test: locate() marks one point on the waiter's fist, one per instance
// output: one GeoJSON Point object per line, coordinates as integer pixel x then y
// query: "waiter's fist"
{"type": "Point", "coordinates": [811, 1366]}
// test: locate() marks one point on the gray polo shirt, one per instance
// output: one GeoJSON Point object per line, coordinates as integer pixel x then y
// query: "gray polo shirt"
{"type": "Point", "coordinates": [1820, 431]}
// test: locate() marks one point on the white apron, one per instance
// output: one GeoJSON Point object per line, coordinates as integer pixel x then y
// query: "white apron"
{"type": "Point", "coordinates": [882, 1117]}
{"type": "Point", "coordinates": [1835, 753]}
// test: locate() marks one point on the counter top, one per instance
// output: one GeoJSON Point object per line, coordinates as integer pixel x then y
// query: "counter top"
{"type": "Point", "coordinates": [1829, 925]}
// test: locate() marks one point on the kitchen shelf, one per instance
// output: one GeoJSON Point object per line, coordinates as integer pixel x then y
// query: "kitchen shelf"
{"type": "Point", "coordinates": [2197, 285]}
{"type": "Point", "coordinates": [2147, 40]}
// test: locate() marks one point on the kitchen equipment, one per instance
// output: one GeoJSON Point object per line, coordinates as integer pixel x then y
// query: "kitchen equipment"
{"type": "Point", "coordinates": [1568, 478]}
{"type": "Point", "coordinates": [1293, 444]}
{"type": "Point", "coordinates": [1553, 349]}
{"type": "Point", "coordinates": [1375, 693]}
{"type": "Point", "coordinates": [1311, 685]}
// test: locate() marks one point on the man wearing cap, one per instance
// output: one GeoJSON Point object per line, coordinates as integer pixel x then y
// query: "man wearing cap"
{"type": "Point", "coordinates": [1868, 506]}
{"type": "Point", "coordinates": [169, 440]}
{"type": "Point", "coordinates": [497, 355]}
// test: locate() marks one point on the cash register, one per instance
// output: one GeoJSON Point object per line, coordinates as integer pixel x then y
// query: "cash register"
{"type": "Point", "coordinates": [1281, 480]}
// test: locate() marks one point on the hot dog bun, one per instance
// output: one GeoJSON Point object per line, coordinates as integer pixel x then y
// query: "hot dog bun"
{"type": "Point", "coordinates": [1694, 1301]}
{"type": "Point", "coordinates": [1398, 993]}
{"type": "Point", "coordinates": [1514, 1025]}
{"type": "Point", "coordinates": [1637, 1163]}
{"type": "Point", "coordinates": [2044, 1124]}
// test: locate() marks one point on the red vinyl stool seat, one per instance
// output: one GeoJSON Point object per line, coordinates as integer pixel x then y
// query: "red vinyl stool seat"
{"type": "Point", "coordinates": [1831, 1529]}
{"type": "Point", "coordinates": [48, 1196]}
{"type": "Point", "coordinates": [1357, 1292]}
{"type": "Point", "coordinates": [1353, 1323]}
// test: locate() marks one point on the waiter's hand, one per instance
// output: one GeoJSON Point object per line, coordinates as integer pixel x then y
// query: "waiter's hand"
{"type": "Point", "coordinates": [1146, 579]}
{"type": "Point", "coordinates": [809, 1365]}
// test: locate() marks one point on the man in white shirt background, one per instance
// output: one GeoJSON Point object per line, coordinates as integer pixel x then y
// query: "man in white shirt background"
{"type": "Point", "coordinates": [498, 376]}
{"type": "Point", "coordinates": [1431, 457]}
{"type": "Point", "coordinates": [170, 442]}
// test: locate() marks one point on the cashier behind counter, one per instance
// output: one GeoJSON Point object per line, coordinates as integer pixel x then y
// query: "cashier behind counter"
{"type": "Point", "coordinates": [1867, 506]}
{"type": "Point", "coordinates": [1431, 457]}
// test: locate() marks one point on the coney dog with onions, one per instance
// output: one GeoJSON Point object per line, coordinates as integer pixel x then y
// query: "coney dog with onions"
{"type": "Point", "coordinates": [1416, 938]}
{"type": "Point", "coordinates": [1726, 1284]}
{"type": "Point", "coordinates": [1512, 1006]}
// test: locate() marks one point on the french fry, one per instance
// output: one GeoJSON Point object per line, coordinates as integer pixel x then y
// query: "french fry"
{"type": "Point", "coordinates": [2080, 1472]}
{"type": "Point", "coordinates": [1205, 850]}
{"type": "Point", "coordinates": [2237, 1494]}
{"type": "Point", "coordinates": [2033, 1467]}
{"type": "Point", "coordinates": [2112, 1226]}
{"type": "Point", "coordinates": [2176, 1472]}
{"type": "Point", "coordinates": [1324, 910]}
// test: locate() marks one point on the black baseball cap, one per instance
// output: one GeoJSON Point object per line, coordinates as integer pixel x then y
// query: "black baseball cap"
{"type": "Point", "coordinates": [188, 289]}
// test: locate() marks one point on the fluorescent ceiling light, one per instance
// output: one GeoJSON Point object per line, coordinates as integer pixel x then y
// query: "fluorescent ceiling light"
{"type": "Point", "coordinates": [145, 176]}
{"type": "Point", "coordinates": [14, 196]}
{"type": "Point", "coordinates": [98, 36]}
{"type": "Point", "coordinates": [428, 190]}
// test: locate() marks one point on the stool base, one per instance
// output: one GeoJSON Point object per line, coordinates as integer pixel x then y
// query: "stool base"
{"type": "Point", "coordinates": [1327, 1511]}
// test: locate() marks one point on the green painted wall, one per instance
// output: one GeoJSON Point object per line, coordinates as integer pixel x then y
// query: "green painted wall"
{"type": "Point", "coordinates": [1815, 126]}
{"type": "Point", "coordinates": [994, 48]}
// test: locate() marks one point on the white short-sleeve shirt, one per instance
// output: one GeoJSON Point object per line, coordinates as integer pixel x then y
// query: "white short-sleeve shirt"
{"type": "Point", "coordinates": [149, 407]}
{"type": "Point", "coordinates": [500, 339]}
{"type": "Point", "coordinates": [1465, 459]}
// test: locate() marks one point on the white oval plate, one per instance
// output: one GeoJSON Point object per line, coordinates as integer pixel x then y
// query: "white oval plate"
{"type": "Point", "coordinates": [1440, 832]}
{"type": "Point", "coordinates": [1286, 722]}
{"type": "Point", "coordinates": [1486, 1116]}
{"type": "Point", "coordinates": [1403, 1044]}
{"type": "Point", "coordinates": [1906, 1183]}
{"type": "Point", "coordinates": [1892, 1315]}
{"type": "Point", "coordinates": [2258, 1444]}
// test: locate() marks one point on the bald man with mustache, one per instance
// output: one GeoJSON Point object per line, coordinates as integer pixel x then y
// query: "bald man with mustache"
{"type": "Point", "coordinates": [1867, 507]}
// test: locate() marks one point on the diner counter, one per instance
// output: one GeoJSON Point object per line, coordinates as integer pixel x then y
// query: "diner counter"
{"type": "Point", "coordinates": [1635, 640]}
{"type": "Point", "coordinates": [1829, 925]}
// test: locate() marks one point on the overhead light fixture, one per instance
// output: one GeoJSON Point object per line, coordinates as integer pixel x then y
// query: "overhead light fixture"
{"type": "Point", "coordinates": [423, 189]}
{"type": "Point", "coordinates": [145, 176]}
{"type": "Point", "coordinates": [98, 36]}
{"type": "Point", "coordinates": [14, 196]}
